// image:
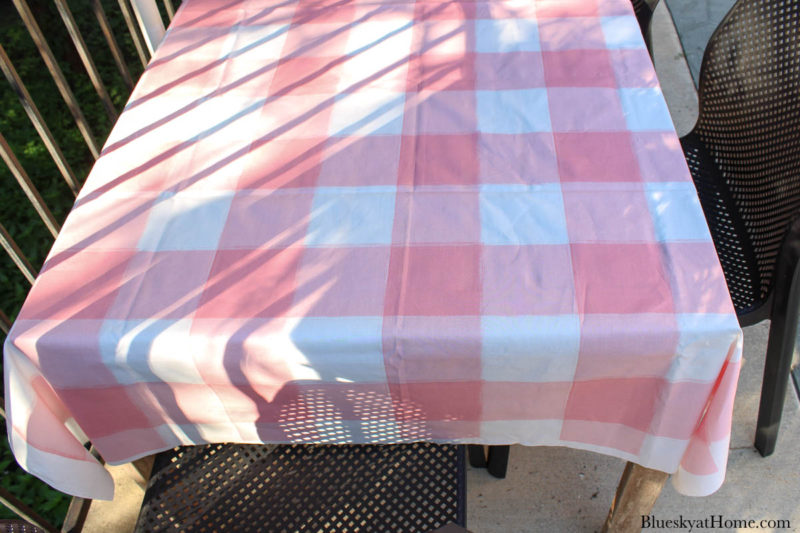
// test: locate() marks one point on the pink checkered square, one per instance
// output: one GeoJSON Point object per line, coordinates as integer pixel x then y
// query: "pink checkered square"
{"type": "Point", "coordinates": [447, 112]}
{"type": "Point", "coordinates": [274, 219]}
{"type": "Point", "coordinates": [106, 223]}
{"type": "Point", "coordinates": [247, 78]}
{"type": "Point", "coordinates": [356, 290]}
{"type": "Point", "coordinates": [686, 399]}
{"type": "Point", "coordinates": [505, 400]}
{"type": "Point", "coordinates": [64, 353]}
{"type": "Point", "coordinates": [281, 163]}
{"type": "Point", "coordinates": [585, 110]}
{"type": "Point", "coordinates": [360, 161]}
{"type": "Point", "coordinates": [59, 297]}
{"type": "Point", "coordinates": [571, 34]}
{"type": "Point", "coordinates": [509, 70]}
{"type": "Point", "coordinates": [250, 283]}
{"type": "Point", "coordinates": [610, 8]}
{"type": "Point", "coordinates": [325, 11]}
{"type": "Point", "coordinates": [601, 157]}
{"type": "Point", "coordinates": [420, 282]}
{"type": "Point", "coordinates": [616, 407]}
{"type": "Point", "coordinates": [603, 215]}
{"type": "Point", "coordinates": [433, 401]}
{"type": "Point", "coordinates": [108, 410]}
{"type": "Point", "coordinates": [162, 285]}
{"type": "Point", "coordinates": [438, 160]}
{"type": "Point", "coordinates": [442, 72]}
{"type": "Point", "coordinates": [543, 287]}
{"type": "Point", "coordinates": [443, 36]}
{"type": "Point", "coordinates": [525, 158]}
{"type": "Point", "coordinates": [435, 216]}
{"type": "Point", "coordinates": [435, 10]}
{"type": "Point", "coordinates": [319, 39]}
{"type": "Point", "coordinates": [207, 14]}
{"type": "Point", "coordinates": [566, 8]}
{"type": "Point", "coordinates": [294, 116]}
{"type": "Point", "coordinates": [306, 75]}
{"type": "Point", "coordinates": [217, 164]}
{"type": "Point", "coordinates": [578, 68]}
{"type": "Point", "coordinates": [620, 278]}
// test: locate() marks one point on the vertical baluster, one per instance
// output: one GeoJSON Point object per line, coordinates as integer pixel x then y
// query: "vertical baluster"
{"type": "Point", "coordinates": [119, 59]}
{"type": "Point", "coordinates": [27, 186]}
{"type": "Point", "coordinates": [170, 9]}
{"type": "Point", "coordinates": [86, 58]}
{"type": "Point", "coordinates": [16, 254]}
{"type": "Point", "coordinates": [38, 121]}
{"type": "Point", "coordinates": [137, 39]}
{"type": "Point", "coordinates": [5, 326]}
{"type": "Point", "coordinates": [58, 76]}
{"type": "Point", "coordinates": [149, 22]}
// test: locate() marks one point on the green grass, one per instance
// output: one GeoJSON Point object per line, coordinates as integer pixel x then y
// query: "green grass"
{"type": "Point", "coordinates": [16, 213]}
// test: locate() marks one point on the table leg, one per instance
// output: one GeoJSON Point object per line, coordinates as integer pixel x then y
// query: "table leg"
{"type": "Point", "coordinates": [637, 492]}
{"type": "Point", "coordinates": [144, 466]}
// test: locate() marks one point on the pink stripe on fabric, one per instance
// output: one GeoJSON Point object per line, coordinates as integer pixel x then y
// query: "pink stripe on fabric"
{"type": "Point", "coordinates": [57, 296]}
{"type": "Point", "coordinates": [422, 283]}
{"type": "Point", "coordinates": [620, 278]}
{"type": "Point", "coordinates": [524, 401]}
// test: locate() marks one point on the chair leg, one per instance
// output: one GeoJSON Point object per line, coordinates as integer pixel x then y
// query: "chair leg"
{"type": "Point", "coordinates": [477, 455]}
{"type": "Point", "coordinates": [780, 349]}
{"type": "Point", "coordinates": [498, 461]}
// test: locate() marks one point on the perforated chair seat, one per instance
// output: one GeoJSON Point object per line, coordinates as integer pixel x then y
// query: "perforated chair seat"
{"type": "Point", "coordinates": [331, 488]}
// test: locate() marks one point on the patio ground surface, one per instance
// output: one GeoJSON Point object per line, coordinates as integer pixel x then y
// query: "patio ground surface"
{"type": "Point", "coordinates": [559, 489]}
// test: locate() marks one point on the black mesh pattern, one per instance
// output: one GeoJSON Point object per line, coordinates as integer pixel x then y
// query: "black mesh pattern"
{"type": "Point", "coordinates": [320, 488]}
{"type": "Point", "coordinates": [744, 152]}
{"type": "Point", "coordinates": [18, 526]}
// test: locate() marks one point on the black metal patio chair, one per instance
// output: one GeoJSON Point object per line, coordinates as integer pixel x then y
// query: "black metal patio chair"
{"type": "Point", "coordinates": [333, 488]}
{"type": "Point", "coordinates": [744, 155]}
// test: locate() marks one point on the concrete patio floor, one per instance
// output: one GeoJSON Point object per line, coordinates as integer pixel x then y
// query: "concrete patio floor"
{"type": "Point", "coordinates": [559, 489]}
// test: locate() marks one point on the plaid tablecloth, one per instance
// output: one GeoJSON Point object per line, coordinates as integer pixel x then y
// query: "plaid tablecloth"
{"type": "Point", "coordinates": [383, 221]}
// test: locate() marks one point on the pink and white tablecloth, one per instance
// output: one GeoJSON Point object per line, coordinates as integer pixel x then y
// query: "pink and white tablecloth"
{"type": "Point", "coordinates": [383, 221]}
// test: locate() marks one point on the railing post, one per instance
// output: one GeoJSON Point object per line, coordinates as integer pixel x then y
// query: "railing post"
{"type": "Point", "coordinates": [58, 76]}
{"type": "Point", "coordinates": [150, 22]}
{"type": "Point", "coordinates": [38, 121]}
{"type": "Point", "coordinates": [170, 9]}
{"type": "Point", "coordinates": [137, 39]}
{"type": "Point", "coordinates": [27, 186]}
{"type": "Point", "coordinates": [100, 14]}
{"type": "Point", "coordinates": [86, 57]}
{"type": "Point", "coordinates": [8, 244]}
{"type": "Point", "coordinates": [5, 327]}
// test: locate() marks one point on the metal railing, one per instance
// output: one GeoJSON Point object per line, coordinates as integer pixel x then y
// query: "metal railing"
{"type": "Point", "coordinates": [144, 26]}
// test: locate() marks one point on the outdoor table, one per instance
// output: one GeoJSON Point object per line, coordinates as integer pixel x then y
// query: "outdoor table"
{"type": "Point", "coordinates": [382, 221]}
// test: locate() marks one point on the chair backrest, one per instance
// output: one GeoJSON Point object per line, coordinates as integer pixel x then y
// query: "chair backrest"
{"type": "Point", "coordinates": [644, 12]}
{"type": "Point", "coordinates": [749, 127]}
